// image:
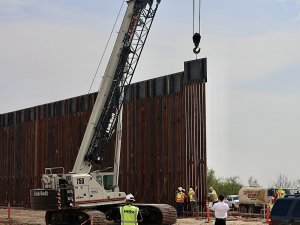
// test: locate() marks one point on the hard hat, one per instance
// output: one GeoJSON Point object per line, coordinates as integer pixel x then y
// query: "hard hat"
{"type": "Point", "coordinates": [130, 197]}
{"type": "Point", "coordinates": [191, 189]}
{"type": "Point", "coordinates": [211, 188]}
{"type": "Point", "coordinates": [180, 188]}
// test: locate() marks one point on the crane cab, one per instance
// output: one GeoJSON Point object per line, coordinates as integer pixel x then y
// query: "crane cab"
{"type": "Point", "coordinates": [94, 188]}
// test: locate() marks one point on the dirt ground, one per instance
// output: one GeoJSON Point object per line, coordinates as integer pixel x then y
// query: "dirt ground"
{"type": "Point", "coordinates": [20, 216]}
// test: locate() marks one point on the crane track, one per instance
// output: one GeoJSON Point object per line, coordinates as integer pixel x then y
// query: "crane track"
{"type": "Point", "coordinates": [96, 217]}
{"type": "Point", "coordinates": [75, 217]}
{"type": "Point", "coordinates": [154, 214]}
{"type": "Point", "coordinates": [158, 214]}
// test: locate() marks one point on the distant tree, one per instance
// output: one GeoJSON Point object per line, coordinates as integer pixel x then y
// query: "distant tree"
{"type": "Point", "coordinates": [212, 180]}
{"type": "Point", "coordinates": [253, 182]}
{"type": "Point", "coordinates": [297, 183]}
{"type": "Point", "coordinates": [230, 186]}
{"type": "Point", "coordinates": [225, 186]}
{"type": "Point", "coordinates": [282, 181]}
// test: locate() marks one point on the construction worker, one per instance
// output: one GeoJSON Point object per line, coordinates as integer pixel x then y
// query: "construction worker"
{"type": "Point", "coordinates": [179, 199]}
{"type": "Point", "coordinates": [130, 214]}
{"type": "Point", "coordinates": [279, 194]}
{"type": "Point", "coordinates": [220, 209]}
{"type": "Point", "coordinates": [213, 195]}
{"type": "Point", "coordinates": [193, 201]}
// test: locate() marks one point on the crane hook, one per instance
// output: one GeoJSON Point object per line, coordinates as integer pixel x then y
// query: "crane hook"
{"type": "Point", "coordinates": [196, 40]}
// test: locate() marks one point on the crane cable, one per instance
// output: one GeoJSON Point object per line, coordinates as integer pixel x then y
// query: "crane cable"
{"type": "Point", "coordinates": [196, 36]}
{"type": "Point", "coordinates": [106, 46]}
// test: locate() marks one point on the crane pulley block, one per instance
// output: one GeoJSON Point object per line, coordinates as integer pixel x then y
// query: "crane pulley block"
{"type": "Point", "coordinates": [196, 40]}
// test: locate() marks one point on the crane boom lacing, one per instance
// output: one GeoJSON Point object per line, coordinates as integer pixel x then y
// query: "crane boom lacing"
{"type": "Point", "coordinates": [134, 40]}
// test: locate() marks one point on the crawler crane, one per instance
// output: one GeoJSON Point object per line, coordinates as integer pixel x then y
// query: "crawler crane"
{"type": "Point", "coordinates": [93, 197]}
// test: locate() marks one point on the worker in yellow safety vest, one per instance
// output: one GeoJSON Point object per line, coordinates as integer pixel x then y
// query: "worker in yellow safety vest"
{"type": "Point", "coordinates": [193, 200]}
{"type": "Point", "coordinates": [213, 195]}
{"type": "Point", "coordinates": [130, 214]}
{"type": "Point", "coordinates": [279, 194]}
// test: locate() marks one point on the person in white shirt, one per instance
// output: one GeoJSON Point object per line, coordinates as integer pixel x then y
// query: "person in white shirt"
{"type": "Point", "coordinates": [220, 209]}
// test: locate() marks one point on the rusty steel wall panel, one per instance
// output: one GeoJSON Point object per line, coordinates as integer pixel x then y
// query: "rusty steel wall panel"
{"type": "Point", "coordinates": [32, 139]}
{"type": "Point", "coordinates": [163, 139]}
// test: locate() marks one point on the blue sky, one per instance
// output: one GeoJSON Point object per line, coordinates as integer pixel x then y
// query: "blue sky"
{"type": "Point", "coordinates": [50, 50]}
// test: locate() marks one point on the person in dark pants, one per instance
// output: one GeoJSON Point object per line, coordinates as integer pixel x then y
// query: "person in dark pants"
{"type": "Point", "coordinates": [180, 199]}
{"type": "Point", "coordinates": [193, 201]}
{"type": "Point", "coordinates": [220, 209]}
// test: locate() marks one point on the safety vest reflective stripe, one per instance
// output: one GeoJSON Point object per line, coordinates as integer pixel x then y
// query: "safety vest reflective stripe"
{"type": "Point", "coordinates": [129, 215]}
{"type": "Point", "coordinates": [180, 197]}
{"type": "Point", "coordinates": [128, 222]}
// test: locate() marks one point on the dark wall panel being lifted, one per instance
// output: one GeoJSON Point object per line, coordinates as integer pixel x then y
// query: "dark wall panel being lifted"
{"type": "Point", "coordinates": [163, 139]}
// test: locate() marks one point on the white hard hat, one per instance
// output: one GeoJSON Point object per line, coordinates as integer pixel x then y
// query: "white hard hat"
{"type": "Point", "coordinates": [130, 197]}
{"type": "Point", "coordinates": [180, 188]}
{"type": "Point", "coordinates": [191, 189]}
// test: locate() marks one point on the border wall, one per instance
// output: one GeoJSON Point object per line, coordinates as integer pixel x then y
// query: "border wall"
{"type": "Point", "coordinates": [163, 139]}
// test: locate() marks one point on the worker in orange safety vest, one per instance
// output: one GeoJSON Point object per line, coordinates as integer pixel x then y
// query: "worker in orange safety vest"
{"type": "Point", "coordinates": [180, 199]}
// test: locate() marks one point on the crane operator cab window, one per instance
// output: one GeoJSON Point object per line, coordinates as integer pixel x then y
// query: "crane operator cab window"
{"type": "Point", "coordinates": [108, 182]}
{"type": "Point", "coordinates": [105, 180]}
{"type": "Point", "coordinates": [99, 179]}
